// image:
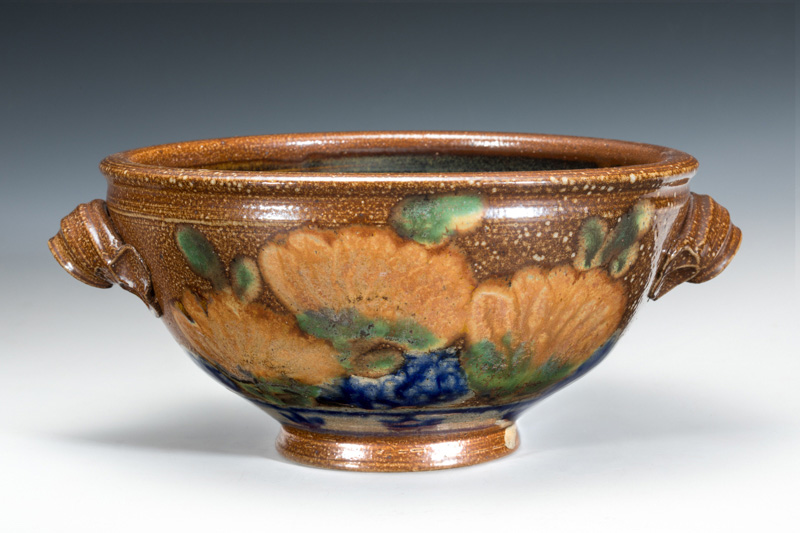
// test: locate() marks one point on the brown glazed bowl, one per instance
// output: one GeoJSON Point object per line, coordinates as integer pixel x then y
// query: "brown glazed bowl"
{"type": "Point", "coordinates": [397, 299]}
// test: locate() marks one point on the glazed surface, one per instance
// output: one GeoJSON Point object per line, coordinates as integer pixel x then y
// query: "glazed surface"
{"type": "Point", "coordinates": [338, 301]}
{"type": "Point", "coordinates": [397, 299]}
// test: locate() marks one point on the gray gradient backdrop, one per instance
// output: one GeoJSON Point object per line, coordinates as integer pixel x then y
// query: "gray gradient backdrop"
{"type": "Point", "coordinates": [103, 421]}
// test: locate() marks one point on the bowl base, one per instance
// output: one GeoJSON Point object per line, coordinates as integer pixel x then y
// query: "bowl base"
{"type": "Point", "coordinates": [406, 453]}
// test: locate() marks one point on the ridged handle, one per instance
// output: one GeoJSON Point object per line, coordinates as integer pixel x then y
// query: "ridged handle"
{"type": "Point", "coordinates": [88, 247]}
{"type": "Point", "coordinates": [702, 243]}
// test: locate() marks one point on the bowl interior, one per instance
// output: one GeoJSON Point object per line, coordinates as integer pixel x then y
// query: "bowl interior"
{"type": "Point", "coordinates": [433, 162]}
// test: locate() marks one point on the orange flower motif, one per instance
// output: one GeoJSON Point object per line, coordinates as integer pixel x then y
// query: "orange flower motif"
{"type": "Point", "coordinates": [250, 339]}
{"type": "Point", "coordinates": [558, 316]}
{"type": "Point", "coordinates": [372, 274]}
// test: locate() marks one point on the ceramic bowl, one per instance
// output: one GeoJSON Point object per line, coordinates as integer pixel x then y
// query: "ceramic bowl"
{"type": "Point", "coordinates": [397, 299]}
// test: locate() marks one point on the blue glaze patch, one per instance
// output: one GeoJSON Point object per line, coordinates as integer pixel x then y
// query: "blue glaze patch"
{"type": "Point", "coordinates": [306, 418]}
{"type": "Point", "coordinates": [426, 379]}
{"type": "Point", "coordinates": [309, 422]}
{"type": "Point", "coordinates": [214, 372]}
{"type": "Point", "coordinates": [581, 371]}
{"type": "Point", "coordinates": [411, 422]}
{"type": "Point", "coordinates": [595, 359]}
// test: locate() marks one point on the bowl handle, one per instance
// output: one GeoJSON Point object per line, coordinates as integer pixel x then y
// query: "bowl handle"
{"type": "Point", "coordinates": [88, 247]}
{"type": "Point", "coordinates": [702, 243]}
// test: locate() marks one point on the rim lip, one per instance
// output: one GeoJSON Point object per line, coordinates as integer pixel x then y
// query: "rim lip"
{"type": "Point", "coordinates": [665, 165]}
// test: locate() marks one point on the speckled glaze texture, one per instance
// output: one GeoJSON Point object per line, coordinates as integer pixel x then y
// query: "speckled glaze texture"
{"type": "Point", "coordinates": [397, 299]}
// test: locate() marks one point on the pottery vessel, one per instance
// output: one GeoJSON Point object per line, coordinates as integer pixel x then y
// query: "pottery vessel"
{"type": "Point", "coordinates": [397, 299]}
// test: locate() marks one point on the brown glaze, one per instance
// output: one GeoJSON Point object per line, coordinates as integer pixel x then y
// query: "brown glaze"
{"type": "Point", "coordinates": [380, 289]}
{"type": "Point", "coordinates": [398, 453]}
{"type": "Point", "coordinates": [88, 247]}
{"type": "Point", "coordinates": [703, 244]}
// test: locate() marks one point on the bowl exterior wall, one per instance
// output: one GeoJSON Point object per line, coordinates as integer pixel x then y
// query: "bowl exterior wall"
{"type": "Point", "coordinates": [401, 304]}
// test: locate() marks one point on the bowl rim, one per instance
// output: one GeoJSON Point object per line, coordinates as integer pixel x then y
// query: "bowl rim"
{"type": "Point", "coordinates": [176, 164]}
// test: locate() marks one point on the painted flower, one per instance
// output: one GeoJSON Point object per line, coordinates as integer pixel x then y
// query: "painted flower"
{"type": "Point", "coordinates": [365, 289]}
{"type": "Point", "coordinates": [249, 341]}
{"type": "Point", "coordinates": [539, 327]}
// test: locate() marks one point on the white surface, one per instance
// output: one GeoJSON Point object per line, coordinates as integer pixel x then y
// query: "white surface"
{"type": "Point", "coordinates": [106, 426]}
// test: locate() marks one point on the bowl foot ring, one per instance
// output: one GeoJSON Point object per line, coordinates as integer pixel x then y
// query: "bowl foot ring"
{"type": "Point", "coordinates": [405, 453]}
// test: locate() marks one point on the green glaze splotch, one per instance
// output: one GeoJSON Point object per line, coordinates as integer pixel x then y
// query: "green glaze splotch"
{"type": "Point", "coordinates": [281, 392]}
{"type": "Point", "coordinates": [245, 278]}
{"type": "Point", "coordinates": [348, 326]}
{"type": "Point", "coordinates": [431, 219]}
{"type": "Point", "coordinates": [502, 371]}
{"type": "Point", "coordinates": [377, 362]}
{"type": "Point", "coordinates": [201, 256]}
{"type": "Point", "coordinates": [591, 239]}
{"type": "Point", "coordinates": [616, 249]}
